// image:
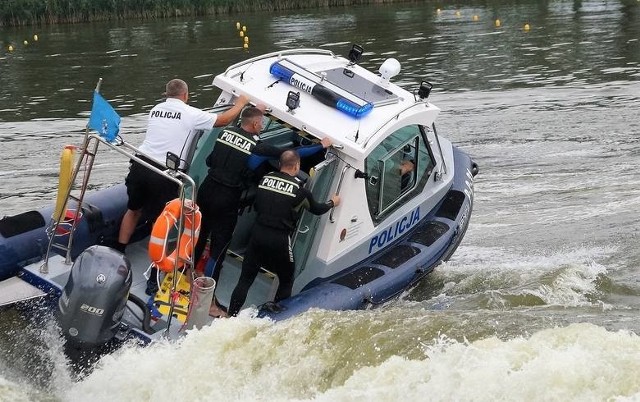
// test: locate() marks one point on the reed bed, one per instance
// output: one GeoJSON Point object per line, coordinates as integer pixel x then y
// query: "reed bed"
{"type": "Point", "coordinates": [37, 12]}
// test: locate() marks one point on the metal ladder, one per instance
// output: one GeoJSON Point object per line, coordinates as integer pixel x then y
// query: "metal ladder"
{"type": "Point", "coordinates": [85, 164]}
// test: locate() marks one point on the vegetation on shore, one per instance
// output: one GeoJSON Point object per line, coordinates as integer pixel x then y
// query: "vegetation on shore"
{"type": "Point", "coordinates": [35, 12]}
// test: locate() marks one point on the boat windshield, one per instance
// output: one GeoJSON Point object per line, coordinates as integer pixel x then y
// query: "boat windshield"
{"type": "Point", "coordinates": [397, 169]}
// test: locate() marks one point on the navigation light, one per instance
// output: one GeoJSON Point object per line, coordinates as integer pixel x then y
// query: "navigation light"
{"type": "Point", "coordinates": [424, 90]}
{"type": "Point", "coordinates": [293, 100]}
{"type": "Point", "coordinates": [355, 53]}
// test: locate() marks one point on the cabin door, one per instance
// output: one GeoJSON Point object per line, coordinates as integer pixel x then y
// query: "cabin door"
{"type": "Point", "coordinates": [319, 184]}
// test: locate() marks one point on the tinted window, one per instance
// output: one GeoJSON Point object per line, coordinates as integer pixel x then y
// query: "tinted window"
{"type": "Point", "coordinates": [397, 170]}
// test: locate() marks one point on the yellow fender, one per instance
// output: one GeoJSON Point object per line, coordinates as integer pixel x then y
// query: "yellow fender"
{"type": "Point", "coordinates": [64, 180]}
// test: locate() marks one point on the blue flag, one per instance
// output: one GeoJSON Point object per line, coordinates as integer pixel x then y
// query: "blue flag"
{"type": "Point", "coordinates": [104, 119]}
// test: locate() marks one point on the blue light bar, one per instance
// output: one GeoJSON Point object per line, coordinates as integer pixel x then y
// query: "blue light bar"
{"type": "Point", "coordinates": [319, 91]}
{"type": "Point", "coordinates": [345, 105]}
{"type": "Point", "coordinates": [281, 71]}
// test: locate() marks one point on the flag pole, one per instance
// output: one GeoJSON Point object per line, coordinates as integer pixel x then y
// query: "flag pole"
{"type": "Point", "coordinates": [99, 84]}
{"type": "Point", "coordinates": [88, 164]}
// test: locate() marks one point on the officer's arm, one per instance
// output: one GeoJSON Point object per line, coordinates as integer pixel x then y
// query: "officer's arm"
{"type": "Point", "coordinates": [228, 116]}
{"type": "Point", "coordinates": [308, 150]}
{"type": "Point", "coordinates": [316, 207]}
{"type": "Point", "coordinates": [261, 153]}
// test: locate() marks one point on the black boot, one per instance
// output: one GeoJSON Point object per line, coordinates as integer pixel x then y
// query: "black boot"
{"type": "Point", "coordinates": [152, 287]}
{"type": "Point", "coordinates": [119, 247]}
{"type": "Point", "coordinates": [152, 282]}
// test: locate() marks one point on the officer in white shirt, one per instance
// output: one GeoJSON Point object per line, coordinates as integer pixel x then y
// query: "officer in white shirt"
{"type": "Point", "coordinates": [170, 125]}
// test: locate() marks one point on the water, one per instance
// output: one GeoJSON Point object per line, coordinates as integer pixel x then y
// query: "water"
{"type": "Point", "coordinates": [540, 302]}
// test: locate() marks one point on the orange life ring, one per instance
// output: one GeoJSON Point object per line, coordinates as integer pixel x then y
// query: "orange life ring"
{"type": "Point", "coordinates": [168, 219]}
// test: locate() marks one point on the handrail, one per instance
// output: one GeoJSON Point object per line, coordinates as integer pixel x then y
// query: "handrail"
{"type": "Point", "coordinates": [134, 156]}
{"type": "Point", "coordinates": [179, 178]}
{"type": "Point", "coordinates": [284, 52]}
{"type": "Point", "coordinates": [444, 163]}
{"type": "Point", "coordinates": [395, 116]}
{"type": "Point", "coordinates": [132, 153]}
{"type": "Point", "coordinates": [182, 179]}
{"type": "Point", "coordinates": [344, 170]}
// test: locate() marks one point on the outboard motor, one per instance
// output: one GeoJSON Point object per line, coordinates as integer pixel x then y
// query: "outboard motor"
{"type": "Point", "coordinates": [95, 296]}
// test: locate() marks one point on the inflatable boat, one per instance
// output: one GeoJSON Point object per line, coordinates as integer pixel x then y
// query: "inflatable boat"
{"type": "Point", "coordinates": [391, 228]}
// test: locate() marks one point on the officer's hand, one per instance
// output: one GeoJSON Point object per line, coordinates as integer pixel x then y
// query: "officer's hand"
{"type": "Point", "coordinates": [242, 100]}
{"type": "Point", "coordinates": [261, 107]}
{"type": "Point", "coordinates": [336, 200]}
{"type": "Point", "coordinates": [326, 142]}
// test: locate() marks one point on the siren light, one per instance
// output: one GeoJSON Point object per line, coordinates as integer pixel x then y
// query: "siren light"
{"type": "Point", "coordinates": [326, 93]}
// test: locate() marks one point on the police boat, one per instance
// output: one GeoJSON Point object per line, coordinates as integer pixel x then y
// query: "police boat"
{"type": "Point", "coordinates": [392, 227]}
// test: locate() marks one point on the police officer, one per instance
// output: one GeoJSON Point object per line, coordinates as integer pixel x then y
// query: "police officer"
{"type": "Point", "coordinates": [279, 201]}
{"type": "Point", "coordinates": [230, 171]}
{"type": "Point", "coordinates": [170, 125]}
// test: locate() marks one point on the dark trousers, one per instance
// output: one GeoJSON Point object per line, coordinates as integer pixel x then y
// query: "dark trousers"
{"type": "Point", "coordinates": [148, 190]}
{"type": "Point", "coordinates": [271, 249]}
{"type": "Point", "coordinates": [219, 207]}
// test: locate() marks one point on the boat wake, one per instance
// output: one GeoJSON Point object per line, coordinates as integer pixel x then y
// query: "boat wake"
{"type": "Point", "coordinates": [500, 279]}
{"type": "Point", "coordinates": [385, 354]}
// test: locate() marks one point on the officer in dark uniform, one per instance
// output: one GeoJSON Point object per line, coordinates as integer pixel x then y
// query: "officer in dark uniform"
{"type": "Point", "coordinates": [280, 199]}
{"type": "Point", "coordinates": [229, 175]}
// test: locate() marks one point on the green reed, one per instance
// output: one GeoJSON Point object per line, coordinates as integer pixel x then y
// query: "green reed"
{"type": "Point", "coordinates": [34, 12]}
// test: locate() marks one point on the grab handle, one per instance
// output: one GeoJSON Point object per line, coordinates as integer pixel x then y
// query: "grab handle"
{"type": "Point", "coordinates": [344, 170]}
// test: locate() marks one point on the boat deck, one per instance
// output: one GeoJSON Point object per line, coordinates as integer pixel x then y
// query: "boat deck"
{"type": "Point", "coordinates": [262, 289]}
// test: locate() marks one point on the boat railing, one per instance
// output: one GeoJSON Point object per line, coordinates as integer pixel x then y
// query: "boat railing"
{"type": "Point", "coordinates": [366, 140]}
{"type": "Point", "coordinates": [85, 164]}
{"type": "Point", "coordinates": [280, 53]}
{"type": "Point", "coordinates": [344, 170]}
{"type": "Point", "coordinates": [443, 166]}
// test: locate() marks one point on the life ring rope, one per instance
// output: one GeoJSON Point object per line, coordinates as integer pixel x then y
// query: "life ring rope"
{"type": "Point", "coordinates": [169, 219]}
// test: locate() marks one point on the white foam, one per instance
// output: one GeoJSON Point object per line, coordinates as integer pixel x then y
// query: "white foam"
{"type": "Point", "coordinates": [10, 391]}
{"type": "Point", "coordinates": [566, 277]}
{"type": "Point", "coordinates": [330, 356]}
{"type": "Point", "coordinates": [579, 362]}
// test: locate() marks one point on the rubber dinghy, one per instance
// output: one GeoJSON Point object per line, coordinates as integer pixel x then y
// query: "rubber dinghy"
{"type": "Point", "coordinates": [391, 228]}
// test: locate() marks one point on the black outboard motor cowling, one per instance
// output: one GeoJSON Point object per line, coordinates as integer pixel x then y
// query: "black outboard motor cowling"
{"type": "Point", "coordinates": [93, 300]}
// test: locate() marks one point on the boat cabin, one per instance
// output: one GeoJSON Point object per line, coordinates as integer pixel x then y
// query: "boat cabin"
{"type": "Point", "coordinates": [386, 163]}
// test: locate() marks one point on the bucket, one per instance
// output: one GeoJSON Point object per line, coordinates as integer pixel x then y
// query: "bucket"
{"type": "Point", "coordinates": [201, 297]}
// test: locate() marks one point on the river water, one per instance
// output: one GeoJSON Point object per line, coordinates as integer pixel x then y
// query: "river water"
{"type": "Point", "coordinates": [541, 300]}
